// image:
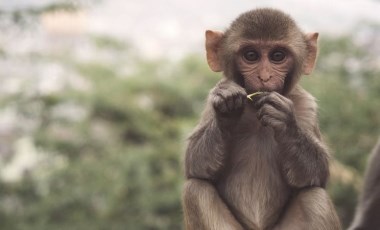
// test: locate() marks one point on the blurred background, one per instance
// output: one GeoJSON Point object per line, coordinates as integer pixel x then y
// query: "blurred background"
{"type": "Point", "coordinates": [97, 99]}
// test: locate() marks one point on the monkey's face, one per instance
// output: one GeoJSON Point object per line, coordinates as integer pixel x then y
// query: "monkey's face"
{"type": "Point", "coordinates": [264, 65]}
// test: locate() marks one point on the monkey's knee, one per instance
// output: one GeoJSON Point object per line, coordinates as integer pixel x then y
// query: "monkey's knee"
{"type": "Point", "coordinates": [314, 198]}
{"type": "Point", "coordinates": [193, 189]}
{"type": "Point", "coordinates": [197, 193]}
{"type": "Point", "coordinates": [318, 208]}
{"type": "Point", "coordinates": [203, 208]}
{"type": "Point", "coordinates": [194, 196]}
{"type": "Point", "coordinates": [310, 209]}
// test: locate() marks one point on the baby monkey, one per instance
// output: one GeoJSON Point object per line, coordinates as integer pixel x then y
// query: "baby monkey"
{"type": "Point", "coordinates": [261, 163]}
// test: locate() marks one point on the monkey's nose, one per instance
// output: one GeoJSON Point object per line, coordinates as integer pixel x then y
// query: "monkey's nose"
{"type": "Point", "coordinates": [265, 78]}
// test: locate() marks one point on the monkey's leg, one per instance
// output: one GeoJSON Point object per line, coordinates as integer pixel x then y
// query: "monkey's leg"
{"type": "Point", "coordinates": [310, 209]}
{"type": "Point", "coordinates": [204, 209]}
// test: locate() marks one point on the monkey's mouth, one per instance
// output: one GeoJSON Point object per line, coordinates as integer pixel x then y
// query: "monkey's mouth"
{"type": "Point", "coordinates": [262, 87]}
{"type": "Point", "coordinates": [257, 89]}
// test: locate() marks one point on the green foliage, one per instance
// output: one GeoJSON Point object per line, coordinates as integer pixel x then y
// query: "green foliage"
{"type": "Point", "coordinates": [121, 162]}
{"type": "Point", "coordinates": [345, 200]}
{"type": "Point", "coordinates": [348, 99]}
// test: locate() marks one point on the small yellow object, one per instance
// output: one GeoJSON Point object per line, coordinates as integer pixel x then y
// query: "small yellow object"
{"type": "Point", "coordinates": [253, 94]}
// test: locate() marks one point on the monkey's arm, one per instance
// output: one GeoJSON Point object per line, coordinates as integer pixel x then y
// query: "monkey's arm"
{"type": "Point", "coordinates": [306, 158]}
{"type": "Point", "coordinates": [303, 155]}
{"type": "Point", "coordinates": [205, 157]}
{"type": "Point", "coordinates": [207, 147]}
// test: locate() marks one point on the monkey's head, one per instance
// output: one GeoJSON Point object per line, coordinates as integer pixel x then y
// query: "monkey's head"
{"type": "Point", "coordinates": [262, 50]}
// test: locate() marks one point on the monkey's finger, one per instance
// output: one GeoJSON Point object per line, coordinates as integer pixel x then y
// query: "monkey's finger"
{"type": "Point", "coordinates": [219, 103]}
{"type": "Point", "coordinates": [259, 100]}
{"type": "Point", "coordinates": [280, 98]}
{"type": "Point", "coordinates": [231, 101]}
{"type": "Point", "coordinates": [277, 101]}
{"type": "Point", "coordinates": [270, 121]}
{"type": "Point", "coordinates": [270, 110]}
{"type": "Point", "coordinates": [239, 101]}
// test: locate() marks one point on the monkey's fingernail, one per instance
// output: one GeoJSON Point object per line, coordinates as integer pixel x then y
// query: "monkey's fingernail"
{"type": "Point", "coordinates": [253, 94]}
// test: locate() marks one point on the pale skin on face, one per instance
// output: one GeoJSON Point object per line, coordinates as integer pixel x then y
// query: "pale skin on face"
{"type": "Point", "coordinates": [264, 65]}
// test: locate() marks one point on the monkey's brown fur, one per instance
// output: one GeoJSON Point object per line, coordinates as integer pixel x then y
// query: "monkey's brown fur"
{"type": "Point", "coordinates": [262, 164]}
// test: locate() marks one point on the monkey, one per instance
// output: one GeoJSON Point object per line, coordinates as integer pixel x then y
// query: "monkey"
{"type": "Point", "coordinates": [259, 164]}
{"type": "Point", "coordinates": [367, 215]}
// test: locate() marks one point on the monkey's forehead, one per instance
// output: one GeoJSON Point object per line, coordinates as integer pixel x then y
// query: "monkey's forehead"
{"type": "Point", "coordinates": [263, 44]}
{"type": "Point", "coordinates": [293, 43]}
{"type": "Point", "coordinates": [264, 23]}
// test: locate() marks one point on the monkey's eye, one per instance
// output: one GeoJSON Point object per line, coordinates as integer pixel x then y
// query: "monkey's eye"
{"type": "Point", "coordinates": [278, 56]}
{"type": "Point", "coordinates": [251, 56]}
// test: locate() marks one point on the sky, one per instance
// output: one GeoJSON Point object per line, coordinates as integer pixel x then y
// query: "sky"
{"type": "Point", "coordinates": [174, 27]}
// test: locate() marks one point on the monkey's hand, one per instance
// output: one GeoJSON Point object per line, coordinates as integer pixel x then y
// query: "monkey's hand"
{"type": "Point", "coordinates": [277, 112]}
{"type": "Point", "coordinates": [228, 99]}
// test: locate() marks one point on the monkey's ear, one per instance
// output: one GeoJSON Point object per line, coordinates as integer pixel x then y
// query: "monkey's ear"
{"type": "Point", "coordinates": [312, 47]}
{"type": "Point", "coordinates": [213, 39]}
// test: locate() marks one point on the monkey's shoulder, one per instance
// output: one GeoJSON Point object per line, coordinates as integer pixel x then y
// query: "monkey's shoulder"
{"type": "Point", "coordinates": [305, 107]}
{"type": "Point", "coordinates": [303, 101]}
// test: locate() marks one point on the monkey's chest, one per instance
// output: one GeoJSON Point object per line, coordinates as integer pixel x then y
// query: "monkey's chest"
{"type": "Point", "coordinates": [253, 186]}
